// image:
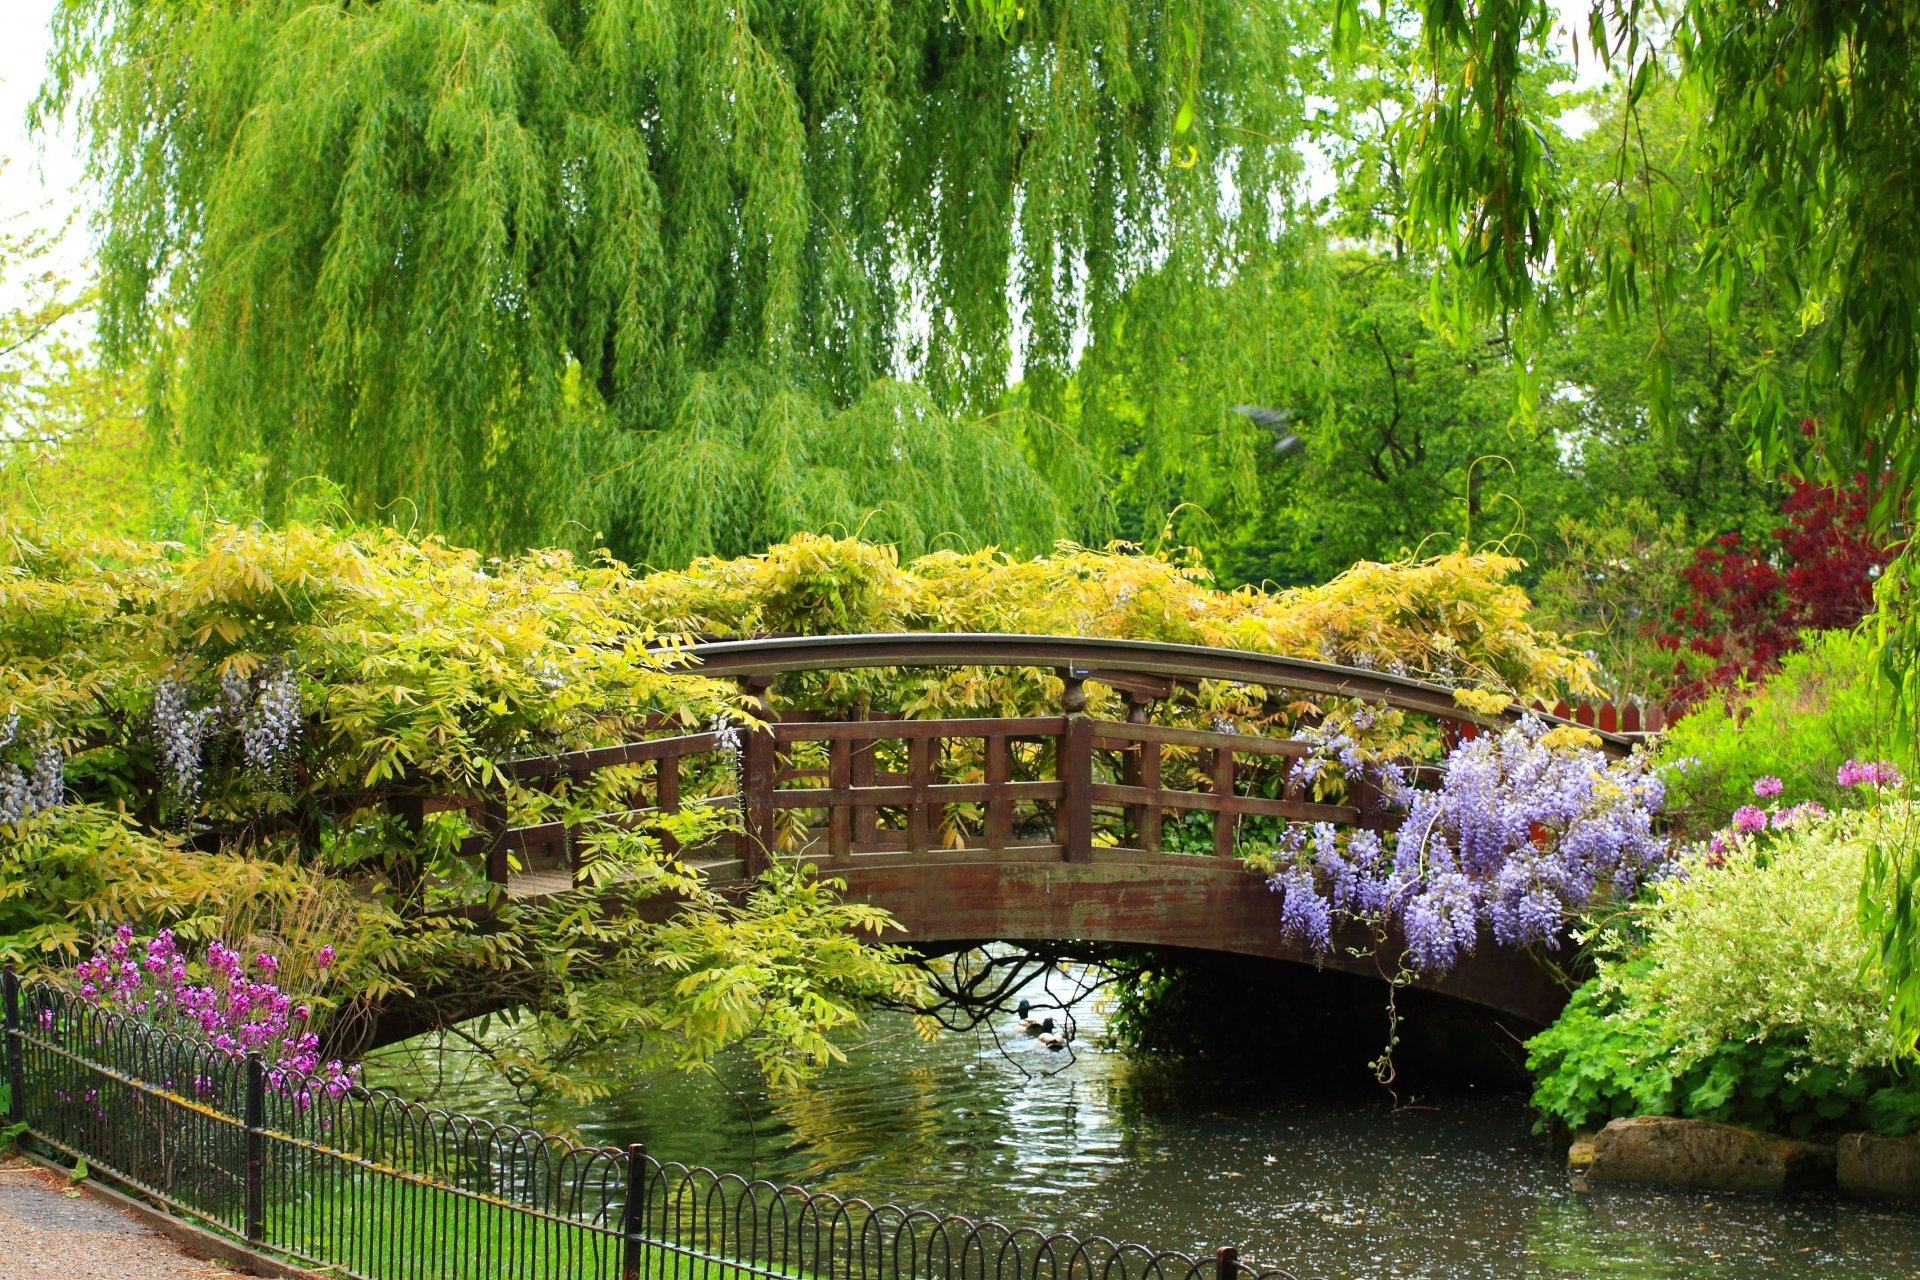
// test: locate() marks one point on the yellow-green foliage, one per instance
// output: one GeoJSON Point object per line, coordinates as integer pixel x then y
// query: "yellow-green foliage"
{"type": "Point", "coordinates": [416, 658]}
{"type": "Point", "coordinates": [1457, 617]}
{"type": "Point", "coordinates": [72, 874]}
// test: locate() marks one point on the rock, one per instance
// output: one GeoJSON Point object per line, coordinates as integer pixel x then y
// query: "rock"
{"type": "Point", "coordinates": [1870, 1165]}
{"type": "Point", "coordinates": [1713, 1157]}
{"type": "Point", "coordinates": [1580, 1153]}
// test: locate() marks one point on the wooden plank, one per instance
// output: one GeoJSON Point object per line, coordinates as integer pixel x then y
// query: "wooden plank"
{"type": "Point", "coordinates": [840, 816]}
{"type": "Point", "coordinates": [496, 841]}
{"type": "Point", "coordinates": [1144, 687]}
{"type": "Point", "coordinates": [1208, 802]}
{"type": "Point", "coordinates": [919, 775]}
{"type": "Point", "coordinates": [1225, 820]}
{"type": "Point", "coordinates": [667, 798]}
{"type": "Point", "coordinates": [1147, 820]}
{"type": "Point", "coordinates": [904, 795]}
{"type": "Point", "coordinates": [1111, 734]}
{"type": "Point", "coordinates": [580, 763]}
{"type": "Point", "coordinates": [1075, 765]}
{"type": "Point", "coordinates": [535, 839]}
{"type": "Point", "coordinates": [1081, 654]}
{"type": "Point", "coordinates": [896, 854]}
{"type": "Point", "coordinates": [999, 799]}
{"type": "Point", "coordinates": [915, 730]}
{"type": "Point", "coordinates": [1364, 796]}
{"type": "Point", "coordinates": [866, 820]}
{"type": "Point", "coordinates": [760, 749]}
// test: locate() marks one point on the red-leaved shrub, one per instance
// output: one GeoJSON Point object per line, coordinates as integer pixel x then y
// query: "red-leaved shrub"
{"type": "Point", "coordinates": [1748, 604]}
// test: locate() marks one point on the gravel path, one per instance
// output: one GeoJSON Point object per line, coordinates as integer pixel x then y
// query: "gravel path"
{"type": "Point", "coordinates": [48, 1234]}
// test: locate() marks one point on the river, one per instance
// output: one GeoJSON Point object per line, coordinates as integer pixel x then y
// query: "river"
{"type": "Point", "coordinates": [1333, 1186]}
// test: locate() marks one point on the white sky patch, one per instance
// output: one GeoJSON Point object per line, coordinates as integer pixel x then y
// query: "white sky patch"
{"type": "Point", "coordinates": [43, 185]}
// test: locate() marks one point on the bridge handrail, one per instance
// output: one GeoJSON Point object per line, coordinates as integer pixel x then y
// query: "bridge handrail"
{"type": "Point", "coordinates": [1091, 657]}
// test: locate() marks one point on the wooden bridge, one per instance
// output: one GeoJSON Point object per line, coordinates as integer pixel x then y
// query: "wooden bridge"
{"type": "Point", "coordinates": [1057, 827]}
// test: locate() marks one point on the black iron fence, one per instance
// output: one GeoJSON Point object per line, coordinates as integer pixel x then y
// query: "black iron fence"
{"type": "Point", "coordinates": [364, 1183]}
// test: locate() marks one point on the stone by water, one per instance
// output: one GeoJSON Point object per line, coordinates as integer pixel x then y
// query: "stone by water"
{"type": "Point", "coordinates": [1337, 1185]}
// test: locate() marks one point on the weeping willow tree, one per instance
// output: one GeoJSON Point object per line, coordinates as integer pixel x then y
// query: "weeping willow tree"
{"type": "Point", "coordinates": [666, 268]}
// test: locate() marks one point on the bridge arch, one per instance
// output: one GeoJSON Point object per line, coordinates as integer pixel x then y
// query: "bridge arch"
{"type": "Point", "coordinates": [1071, 808]}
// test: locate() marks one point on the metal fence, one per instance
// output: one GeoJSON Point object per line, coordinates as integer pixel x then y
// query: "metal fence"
{"type": "Point", "coordinates": [374, 1186]}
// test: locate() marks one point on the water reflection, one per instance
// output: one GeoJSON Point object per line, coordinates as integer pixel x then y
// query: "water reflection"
{"type": "Point", "coordinates": [1334, 1186]}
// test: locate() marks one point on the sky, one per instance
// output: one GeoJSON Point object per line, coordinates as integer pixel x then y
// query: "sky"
{"type": "Point", "coordinates": [41, 183]}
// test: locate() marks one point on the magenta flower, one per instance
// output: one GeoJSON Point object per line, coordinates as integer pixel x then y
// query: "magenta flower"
{"type": "Point", "coordinates": [1768, 786]}
{"type": "Point", "coordinates": [1869, 773]}
{"type": "Point", "coordinates": [1749, 818]}
{"type": "Point", "coordinates": [231, 1012]}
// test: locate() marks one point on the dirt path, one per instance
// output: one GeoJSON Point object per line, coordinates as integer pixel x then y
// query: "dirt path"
{"type": "Point", "coordinates": [48, 1233]}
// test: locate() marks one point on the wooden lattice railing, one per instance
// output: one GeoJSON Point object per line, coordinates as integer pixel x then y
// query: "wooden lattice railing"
{"type": "Point", "coordinates": [1032, 788]}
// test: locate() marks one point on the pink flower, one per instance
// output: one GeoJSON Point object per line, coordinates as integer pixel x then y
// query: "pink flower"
{"type": "Point", "coordinates": [1806, 811]}
{"type": "Point", "coordinates": [1768, 786]}
{"type": "Point", "coordinates": [1875, 773]}
{"type": "Point", "coordinates": [1748, 818]}
{"type": "Point", "coordinates": [325, 958]}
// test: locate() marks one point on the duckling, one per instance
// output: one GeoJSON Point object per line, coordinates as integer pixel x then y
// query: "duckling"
{"type": "Point", "coordinates": [1030, 1026]}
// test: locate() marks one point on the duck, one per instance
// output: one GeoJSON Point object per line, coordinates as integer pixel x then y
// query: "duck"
{"type": "Point", "coordinates": [1051, 1039]}
{"type": "Point", "coordinates": [1028, 1025]}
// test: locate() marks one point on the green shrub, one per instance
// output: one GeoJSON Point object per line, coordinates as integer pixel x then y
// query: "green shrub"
{"type": "Point", "coordinates": [1825, 705]}
{"type": "Point", "coordinates": [1744, 992]}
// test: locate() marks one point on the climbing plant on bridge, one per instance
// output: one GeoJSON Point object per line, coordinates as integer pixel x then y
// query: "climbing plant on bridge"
{"type": "Point", "coordinates": [1527, 830]}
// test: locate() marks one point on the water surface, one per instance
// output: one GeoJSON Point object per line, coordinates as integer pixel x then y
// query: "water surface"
{"type": "Point", "coordinates": [1328, 1186]}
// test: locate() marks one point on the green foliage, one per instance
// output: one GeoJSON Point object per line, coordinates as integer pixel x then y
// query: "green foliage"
{"type": "Point", "coordinates": [1803, 111]}
{"type": "Point", "coordinates": [419, 661]}
{"type": "Point", "coordinates": [1744, 992]}
{"type": "Point", "coordinates": [1609, 1057]}
{"type": "Point", "coordinates": [782, 971]}
{"type": "Point", "coordinates": [1824, 706]}
{"type": "Point", "coordinates": [1609, 587]}
{"type": "Point", "coordinates": [500, 260]}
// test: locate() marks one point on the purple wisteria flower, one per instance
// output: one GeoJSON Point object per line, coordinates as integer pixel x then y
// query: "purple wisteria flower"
{"type": "Point", "coordinates": [1519, 834]}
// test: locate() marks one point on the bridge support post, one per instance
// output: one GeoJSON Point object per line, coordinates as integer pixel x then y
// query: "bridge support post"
{"type": "Point", "coordinates": [1075, 767]}
{"type": "Point", "coordinates": [756, 779]}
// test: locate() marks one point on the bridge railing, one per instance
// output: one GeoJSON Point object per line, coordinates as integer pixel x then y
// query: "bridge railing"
{"type": "Point", "coordinates": [366, 1184]}
{"type": "Point", "coordinates": [1067, 786]}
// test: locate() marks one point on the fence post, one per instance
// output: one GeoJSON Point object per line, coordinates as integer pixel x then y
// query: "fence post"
{"type": "Point", "coordinates": [256, 1120]}
{"type": "Point", "coordinates": [633, 1217]}
{"type": "Point", "coordinates": [16, 1052]}
{"type": "Point", "coordinates": [1226, 1262]}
